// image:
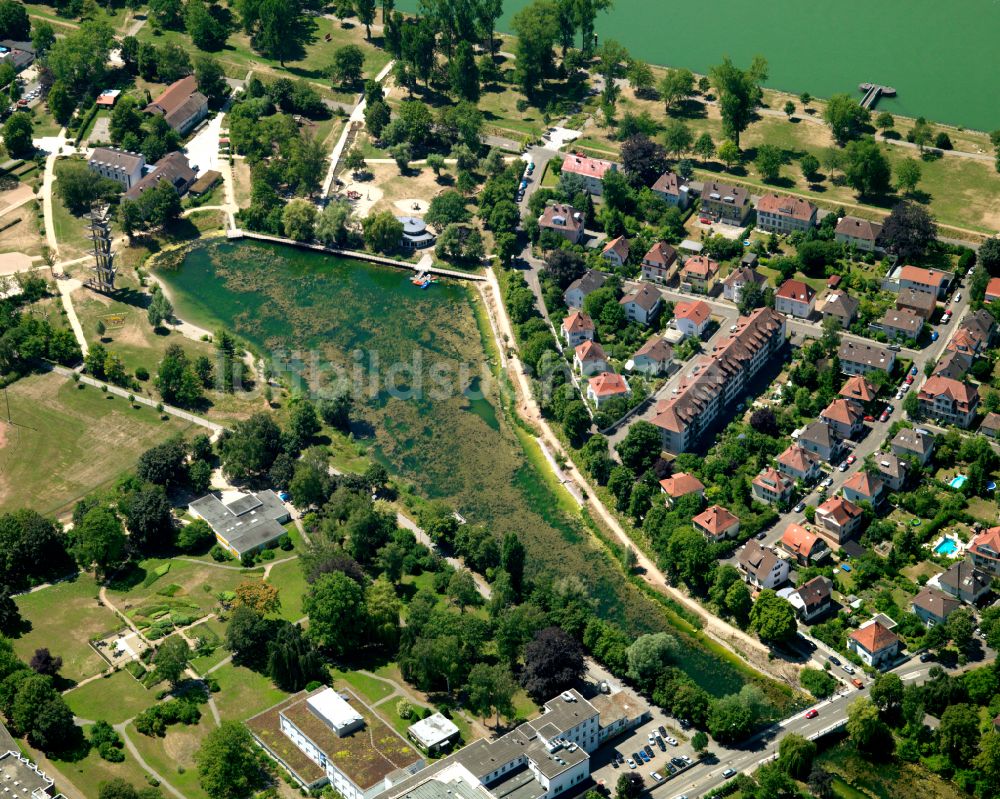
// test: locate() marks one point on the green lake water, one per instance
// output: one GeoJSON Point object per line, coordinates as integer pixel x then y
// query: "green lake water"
{"type": "Point", "coordinates": [315, 311]}
{"type": "Point", "coordinates": [941, 57]}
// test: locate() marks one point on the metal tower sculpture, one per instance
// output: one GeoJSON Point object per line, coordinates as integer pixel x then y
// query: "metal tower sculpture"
{"type": "Point", "coordinates": [103, 279]}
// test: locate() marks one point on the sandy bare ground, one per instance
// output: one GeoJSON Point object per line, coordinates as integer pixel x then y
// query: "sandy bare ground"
{"type": "Point", "coordinates": [13, 262]}
{"type": "Point", "coordinates": [412, 206]}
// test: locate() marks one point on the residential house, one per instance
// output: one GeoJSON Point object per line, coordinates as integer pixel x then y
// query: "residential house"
{"type": "Point", "coordinates": [840, 306]}
{"type": "Point", "coordinates": [965, 582]}
{"type": "Point", "coordinates": [616, 251]}
{"type": "Point", "coordinates": [864, 487]}
{"type": "Point", "coordinates": [922, 303]}
{"type": "Point", "coordinates": [901, 323]}
{"type": "Point", "coordinates": [700, 274]}
{"type": "Point", "coordinates": [672, 188]}
{"type": "Point", "coordinates": [722, 202]}
{"type": "Point", "coordinates": [799, 464]}
{"type": "Point", "coordinates": [875, 644]}
{"type": "Point", "coordinates": [795, 298]}
{"type": "Point", "coordinates": [953, 364]}
{"type": "Point", "coordinates": [985, 551]}
{"type": "Point", "coordinates": [861, 234]}
{"type": "Point", "coordinates": [172, 168]}
{"type": "Point", "coordinates": [181, 105]}
{"type": "Point", "coordinates": [577, 328]}
{"type": "Point", "coordinates": [930, 281]}
{"type": "Point", "coordinates": [591, 170]}
{"type": "Point", "coordinates": [858, 390]}
{"type": "Point", "coordinates": [589, 359]}
{"type": "Point", "coordinates": [990, 425]}
{"type": "Point", "coordinates": [243, 524]}
{"type": "Point", "coordinates": [19, 55]}
{"type": "Point", "coordinates": [771, 486]}
{"type": "Point", "coordinates": [653, 357]}
{"type": "Point", "coordinates": [949, 401]}
{"type": "Point", "coordinates": [891, 470]}
{"type": "Point", "coordinates": [563, 220]}
{"type": "Point", "coordinates": [659, 263]}
{"type": "Point", "coordinates": [820, 439]}
{"type": "Point", "coordinates": [803, 545]}
{"type": "Point", "coordinates": [916, 443]}
{"type": "Point", "coordinates": [605, 387]}
{"type": "Point", "coordinates": [435, 734]}
{"type": "Point", "coordinates": [992, 291]}
{"type": "Point", "coordinates": [779, 213]}
{"type": "Point", "coordinates": [691, 318]}
{"type": "Point", "coordinates": [934, 606]}
{"type": "Point", "coordinates": [416, 235]}
{"type": "Point", "coordinates": [761, 566]}
{"type": "Point", "coordinates": [975, 333]}
{"type": "Point", "coordinates": [580, 288]}
{"type": "Point", "coordinates": [680, 485]}
{"type": "Point", "coordinates": [862, 358]}
{"type": "Point", "coordinates": [845, 417]}
{"type": "Point", "coordinates": [813, 598]}
{"type": "Point", "coordinates": [839, 519]}
{"type": "Point", "coordinates": [642, 305]}
{"type": "Point", "coordinates": [736, 282]}
{"type": "Point", "coordinates": [121, 166]}
{"type": "Point", "coordinates": [717, 379]}
{"type": "Point", "coordinates": [717, 523]}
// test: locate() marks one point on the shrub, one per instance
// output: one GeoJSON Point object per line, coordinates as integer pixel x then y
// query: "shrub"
{"type": "Point", "coordinates": [142, 373]}
{"type": "Point", "coordinates": [404, 710]}
{"type": "Point", "coordinates": [219, 554]}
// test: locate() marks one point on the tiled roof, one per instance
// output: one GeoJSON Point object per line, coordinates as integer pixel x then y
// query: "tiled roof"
{"type": "Point", "coordinates": [588, 167]}
{"type": "Point", "coordinates": [174, 96]}
{"type": "Point", "coordinates": [644, 296]}
{"type": "Point", "coordinates": [859, 228]}
{"type": "Point", "coordinates": [608, 384]}
{"type": "Point", "coordinates": [744, 275]}
{"type": "Point", "coordinates": [698, 311]}
{"type": "Point", "coordinates": [711, 188]}
{"type": "Point", "coordinates": [590, 351]}
{"type": "Point", "coordinates": [661, 254]}
{"type": "Point", "coordinates": [841, 303]}
{"type": "Point", "coordinates": [577, 322]}
{"type": "Point", "coordinates": [715, 520]}
{"type": "Point", "coordinates": [681, 484]}
{"type": "Point", "coordinates": [965, 395]}
{"type": "Point", "coordinates": [839, 509]}
{"type": "Point", "coordinates": [964, 576]}
{"type": "Point", "coordinates": [561, 217]}
{"type": "Point", "coordinates": [875, 637]}
{"type": "Point", "coordinates": [914, 441]}
{"type": "Point", "coordinates": [889, 465]}
{"type": "Point", "coordinates": [991, 422]}
{"type": "Point", "coordinates": [773, 480]}
{"type": "Point", "coordinates": [859, 389]}
{"type": "Point", "coordinates": [669, 183]}
{"type": "Point", "coordinates": [756, 559]}
{"type": "Point", "coordinates": [869, 354]}
{"type": "Point", "coordinates": [936, 602]}
{"type": "Point", "coordinates": [798, 459]}
{"type": "Point", "coordinates": [926, 277]}
{"type": "Point", "coordinates": [619, 246]}
{"type": "Point", "coordinates": [591, 280]}
{"type": "Point", "coordinates": [819, 433]}
{"type": "Point", "coordinates": [843, 411]}
{"type": "Point", "coordinates": [903, 319]}
{"type": "Point", "coordinates": [796, 290]}
{"type": "Point", "coordinates": [911, 298]}
{"type": "Point", "coordinates": [121, 159]}
{"type": "Point", "coordinates": [655, 348]}
{"type": "Point", "coordinates": [816, 592]}
{"type": "Point", "coordinates": [700, 266]}
{"type": "Point", "coordinates": [987, 543]}
{"type": "Point", "coordinates": [783, 205]}
{"type": "Point", "coordinates": [993, 287]}
{"type": "Point", "coordinates": [864, 484]}
{"type": "Point", "coordinates": [799, 540]}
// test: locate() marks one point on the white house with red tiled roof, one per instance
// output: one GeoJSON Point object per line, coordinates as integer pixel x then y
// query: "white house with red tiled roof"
{"type": "Point", "coordinates": [606, 387]}
{"type": "Point", "coordinates": [591, 170]}
{"type": "Point", "coordinates": [616, 251]}
{"type": "Point", "coordinates": [985, 551]}
{"type": "Point", "coordinates": [859, 390]}
{"type": "Point", "coordinates": [779, 213]}
{"type": "Point", "coordinates": [717, 523]}
{"type": "Point", "coordinates": [659, 263]}
{"type": "Point", "coordinates": [680, 485]}
{"type": "Point", "coordinates": [949, 401]}
{"type": "Point", "coordinates": [929, 281]}
{"type": "Point", "coordinates": [864, 487]}
{"type": "Point", "coordinates": [589, 359]}
{"type": "Point", "coordinates": [844, 417]}
{"type": "Point", "coordinates": [875, 644]}
{"type": "Point", "coordinates": [700, 274]}
{"type": "Point", "coordinates": [803, 544]}
{"type": "Point", "coordinates": [795, 298]}
{"type": "Point", "coordinates": [577, 327]}
{"type": "Point", "coordinates": [691, 318]}
{"type": "Point", "coordinates": [992, 291]}
{"type": "Point", "coordinates": [839, 519]}
{"type": "Point", "coordinates": [799, 464]}
{"type": "Point", "coordinates": [772, 486]}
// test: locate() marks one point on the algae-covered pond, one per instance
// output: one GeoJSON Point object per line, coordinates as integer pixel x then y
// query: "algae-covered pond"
{"type": "Point", "coordinates": [430, 404]}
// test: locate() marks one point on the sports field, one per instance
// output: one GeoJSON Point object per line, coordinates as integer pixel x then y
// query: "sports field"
{"type": "Point", "coordinates": [941, 57]}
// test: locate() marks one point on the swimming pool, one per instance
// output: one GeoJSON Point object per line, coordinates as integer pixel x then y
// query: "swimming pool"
{"type": "Point", "coordinates": [958, 481]}
{"type": "Point", "coordinates": [946, 546]}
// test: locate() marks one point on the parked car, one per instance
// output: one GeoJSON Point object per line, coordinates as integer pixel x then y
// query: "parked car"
{"type": "Point", "coordinates": [958, 297]}
{"type": "Point", "coordinates": [729, 772]}
{"type": "Point", "coordinates": [926, 657]}
{"type": "Point", "coordinates": [827, 482]}
{"type": "Point", "coordinates": [648, 750]}
{"type": "Point", "coordinates": [671, 768]}
{"type": "Point", "coordinates": [934, 335]}
{"type": "Point", "coordinates": [848, 668]}
{"type": "Point", "coordinates": [645, 758]}
{"type": "Point", "coordinates": [671, 741]}
{"type": "Point", "coordinates": [659, 743]}
{"type": "Point", "coordinates": [800, 507]}
{"type": "Point", "coordinates": [679, 762]}
{"type": "Point", "coordinates": [657, 777]}
{"type": "Point", "coordinates": [652, 738]}
{"type": "Point", "coordinates": [869, 418]}
{"type": "Point", "coordinates": [811, 714]}
{"type": "Point", "coordinates": [851, 458]}
{"type": "Point", "coordinates": [843, 466]}
{"type": "Point", "coordinates": [834, 660]}
{"type": "Point", "coordinates": [857, 683]}
{"type": "Point", "coordinates": [662, 730]}
{"type": "Point", "coordinates": [885, 415]}
{"type": "Point", "coordinates": [631, 763]}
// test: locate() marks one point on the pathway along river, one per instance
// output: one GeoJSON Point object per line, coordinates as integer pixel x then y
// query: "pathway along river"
{"type": "Point", "coordinates": [311, 311]}
{"type": "Point", "coordinates": [940, 56]}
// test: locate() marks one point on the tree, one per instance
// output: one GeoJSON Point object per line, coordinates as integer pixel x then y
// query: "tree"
{"type": "Point", "coordinates": [989, 255]}
{"type": "Point", "coordinates": [739, 94]}
{"type": "Point", "coordinates": [365, 9]}
{"type": "Point", "coordinates": [160, 310]}
{"type": "Point", "coordinates": [809, 164]}
{"type": "Point", "coordinates": [195, 536]}
{"type": "Point", "coordinates": [537, 29]}
{"type": "Point", "coordinates": [43, 662]}
{"type": "Point", "coordinates": [987, 762]}
{"type": "Point", "coordinates": [818, 683]}
{"type": "Point", "coordinates": [262, 598]}
{"type": "Point", "coordinates": [446, 208]}
{"type": "Point", "coordinates": [206, 30]}
{"type": "Point", "coordinates": [704, 147]}
{"type": "Point", "coordinates": [676, 85]}
{"type": "Point", "coordinates": [866, 168]}
{"type": "Point", "coordinates": [648, 656]}
{"type": "Point", "coordinates": [730, 719]}
{"type": "Point", "coordinates": [382, 232]}
{"type": "Point", "coordinates": [171, 659]}
{"type": "Point", "coordinates": [462, 589]}
{"type": "Point", "coordinates": [99, 541]}
{"type": "Point", "coordinates": [512, 558]}
{"type": "Point", "coordinates": [729, 152]}
{"type": "Point", "coordinates": [553, 661]}
{"type": "Point", "coordinates": [789, 108]}
{"type": "Point", "coordinates": [846, 118]}
{"type": "Point", "coordinates": [641, 447]}
{"type": "Point", "coordinates": [643, 160]}
{"type": "Point", "coordinates": [251, 447]}
{"type": "Point", "coordinates": [228, 762]}
{"type": "Point", "coordinates": [17, 133]}
{"type": "Point", "coordinates": [464, 74]}
{"type": "Point", "coordinates": [211, 79]}
{"type": "Point", "coordinates": [884, 122]}
{"type": "Point", "coordinates": [887, 693]}
{"type": "Point", "coordinates": [959, 733]}
{"type": "Point", "coordinates": [347, 66]}
{"type": "Point", "coordinates": [176, 379]}
{"type": "Point", "coordinates": [337, 614]}
{"type": "Point", "coordinates": [908, 231]}
{"type": "Point", "coordinates": [866, 730]}
{"type": "Point", "coordinates": [772, 618]}
{"type": "Point", "coordinates": [629, 786]}
{"type": "Point", "coordinates": [795, 755]}
{"type": "Point", "coordinates": [147, 515]}
{"type": "Point", "coordinates": [298, 220]}
{"type": "Point", "coordinates": [769, 161]}
{"type": "Point", "coordinates": [764, 421]}
{"type": "Point", "coordinates": [491, 689]}
{"type": "Point", "coordinates": [961, 625]}
{"type": "Point", "coordinates": [677, 137]}
{"type": "Point", "coordinates": [276, 27]}
{"type": "Point", "coordinates": [14, 21]}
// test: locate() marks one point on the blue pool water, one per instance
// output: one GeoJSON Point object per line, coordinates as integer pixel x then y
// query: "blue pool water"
{"type": "Point", "coordinates": [946, 547]}
{"type": "Point", "coordinates": [958, 481]}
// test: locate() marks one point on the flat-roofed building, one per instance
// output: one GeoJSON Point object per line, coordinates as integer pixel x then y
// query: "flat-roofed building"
{"type": "Point", "coordinates": [243, 523]}
{"type": "Point", "coordinates": [434, 734]}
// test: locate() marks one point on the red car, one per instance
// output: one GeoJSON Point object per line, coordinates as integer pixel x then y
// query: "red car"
{"type": "Point", "coordinates": [811, 714]}
{"type": "Point", "coordinates": [851, 458]}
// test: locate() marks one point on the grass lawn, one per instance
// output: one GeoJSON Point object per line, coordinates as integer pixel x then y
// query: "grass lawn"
{"type": "Point", "coordinates": [244, 693]}
{"type": "Point", "coordinates": [372, 690]}
{"type": "Point", "coordinates": [71, 231]}
{"type": "Point", "coordinates": [983, 509]}
{"type": "Point", "coordinates": [889, 779]}
{"type": "Point", "coordinates": [67, 442]}
{"type": "Point", "coordinates": [64, 617]}
{"type": "Point", "coordinates": [173, 755]}
{"type": "Point", "coordinates": [215, 631]}
{"type": "Point", "coordinates": [291, 584]}
{"type": "Point", "coordinates": [113, 699]}
{"type": "Point", "coordinates": [87, 774]}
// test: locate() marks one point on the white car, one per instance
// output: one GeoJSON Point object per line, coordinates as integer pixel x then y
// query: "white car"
{"type": "Point", "coordinates": [630, 762]}
{"type": "Point", "coordinates": [848, 669]}
{"type": "Point", "coordinates": [671, 741]}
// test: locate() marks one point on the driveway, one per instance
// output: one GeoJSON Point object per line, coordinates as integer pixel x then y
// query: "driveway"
{"type": "Point", "coordinates": [203, 150]}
